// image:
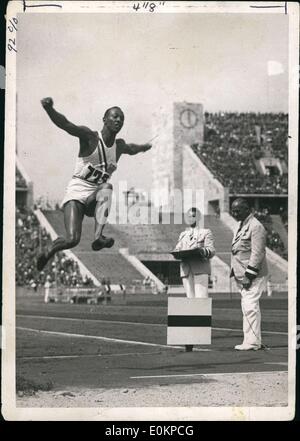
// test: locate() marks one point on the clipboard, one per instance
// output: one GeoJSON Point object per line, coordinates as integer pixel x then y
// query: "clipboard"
{"type": "Point", "coordinates": [186, 254]}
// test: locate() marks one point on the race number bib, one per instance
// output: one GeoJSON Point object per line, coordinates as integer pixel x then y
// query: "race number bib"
{"type": "Point", "coordinates": [93, 174]}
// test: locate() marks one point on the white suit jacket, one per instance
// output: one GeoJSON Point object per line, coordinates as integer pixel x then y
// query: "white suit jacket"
{"type": "Point", "coordinates": [196, 238]}
{"type": "Point", "coordinates": [249, 250]}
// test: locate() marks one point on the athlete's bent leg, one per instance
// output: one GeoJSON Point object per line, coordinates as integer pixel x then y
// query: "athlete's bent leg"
{"type": "Point", "coordinates": [103, 205]}
{"type": "Point", "coordinates": [73, 216]}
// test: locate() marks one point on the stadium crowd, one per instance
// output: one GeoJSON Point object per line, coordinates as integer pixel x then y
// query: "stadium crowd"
{"type": "Point", "coordinates": [31, 239]}
{"type": "Point", "coordinates": [234, 141]}
{"type": "Point", "coordinates": [274, 241]}
{"type": "Point", "coordinates": [284, 217]}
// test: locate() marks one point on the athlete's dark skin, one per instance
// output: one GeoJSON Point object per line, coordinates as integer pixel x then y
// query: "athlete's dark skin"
{"type": "Point", "coordinates": [74, 211]}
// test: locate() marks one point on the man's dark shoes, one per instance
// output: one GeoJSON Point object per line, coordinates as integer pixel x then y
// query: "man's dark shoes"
{"type": "Point", "coordinates": [102, 242]}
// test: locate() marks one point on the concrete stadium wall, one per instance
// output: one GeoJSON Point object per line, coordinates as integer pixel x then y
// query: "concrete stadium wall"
{"type": "Point", "coordinates": [175, 126]}
{"type": "Point", "coordinates": [29, 184]}
{"type": "Point", "coordinates": [175, 166]}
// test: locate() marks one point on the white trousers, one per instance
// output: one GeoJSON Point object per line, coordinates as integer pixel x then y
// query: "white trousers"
{"type": "Point", "coordinates": [47, 292]}
{"type": "Point", "coordinates": [196, 285]}
{"type": "Point", "coordinates": [251, 311]}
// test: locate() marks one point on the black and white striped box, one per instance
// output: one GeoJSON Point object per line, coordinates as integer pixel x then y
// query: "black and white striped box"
{"type": "Point", "coordinates": [189, 321]}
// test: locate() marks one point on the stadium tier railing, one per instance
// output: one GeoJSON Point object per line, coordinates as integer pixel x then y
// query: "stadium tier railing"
{"type": "Point", "coordinates": [83, 295]}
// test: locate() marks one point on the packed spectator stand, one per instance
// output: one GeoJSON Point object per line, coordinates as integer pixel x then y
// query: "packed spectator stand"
{"type": "Point", "coordinates": [31, 239]}
{"type": "Point", "coordinates": [234, 141]}
{"type": "Point", "coordinates": [274, 241]}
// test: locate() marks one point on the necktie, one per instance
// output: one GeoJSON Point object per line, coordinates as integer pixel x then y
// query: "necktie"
{"type": "Point", "coordinates": [237, 235]}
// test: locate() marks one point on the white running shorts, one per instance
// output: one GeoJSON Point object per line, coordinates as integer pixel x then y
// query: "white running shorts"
{"type": "Point", "coordinates": [79, 190]}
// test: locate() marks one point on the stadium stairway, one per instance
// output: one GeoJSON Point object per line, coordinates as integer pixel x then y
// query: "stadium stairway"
{"type": "Point", "coordinates": [223, 237]}
{"type": "Point", "coordinates": [159, 238]}
{"type": "Point", "coordinates": [148, 238]}
{"type": "Point", "coordinates": [108, 263]}
{"type": "Point", "coordinates": [145, 238]}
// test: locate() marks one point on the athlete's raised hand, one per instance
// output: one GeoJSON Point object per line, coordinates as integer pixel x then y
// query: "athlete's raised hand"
{"type": "Point", "coordinates": [47, 103]}
{"type": "Point", "coordinates": [147, 147]}
{"type": "Point", "coordinates": [61, 121]}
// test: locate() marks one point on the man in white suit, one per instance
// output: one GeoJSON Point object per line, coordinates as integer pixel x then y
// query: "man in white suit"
{"type": "Point", "coordinates": [249, 268]}
{"type": "Point", "coordinates": [194, 269]}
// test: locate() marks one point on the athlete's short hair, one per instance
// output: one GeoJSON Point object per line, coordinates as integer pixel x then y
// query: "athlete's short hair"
{"type": "Point", "coordinates": [111, 108]}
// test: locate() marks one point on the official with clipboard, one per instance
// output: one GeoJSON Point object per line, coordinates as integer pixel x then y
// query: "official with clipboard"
{"type": "Point", "coordinates": [195, 248]}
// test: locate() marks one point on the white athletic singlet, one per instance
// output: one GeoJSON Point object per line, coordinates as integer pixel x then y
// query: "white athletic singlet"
{"type": "Point", "coordinates": [98, 166]}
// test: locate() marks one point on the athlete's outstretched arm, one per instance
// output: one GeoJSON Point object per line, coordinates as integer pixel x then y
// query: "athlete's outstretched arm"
{"type": "Point", "coordinates": [61, 121]}
{"type": "Point", "coordinates": [132, 149]}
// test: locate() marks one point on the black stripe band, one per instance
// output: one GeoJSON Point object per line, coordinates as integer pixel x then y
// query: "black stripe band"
{"type": "Point", "coordinates": [83, 179]}
{"type": "Point", "coordinates": [252, 268]}
{"type": "Point", "coordinates": [99, 152]}
{"type": "Point", "coordinates": [189, 320]}
{"type": "Point", "coordinates": [103, 153]}
{"type": "Point", "coordinates": [250, 276]}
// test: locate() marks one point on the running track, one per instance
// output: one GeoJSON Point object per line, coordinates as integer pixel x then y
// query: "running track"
{"type": "Point", "coordinates": [125, 345]}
